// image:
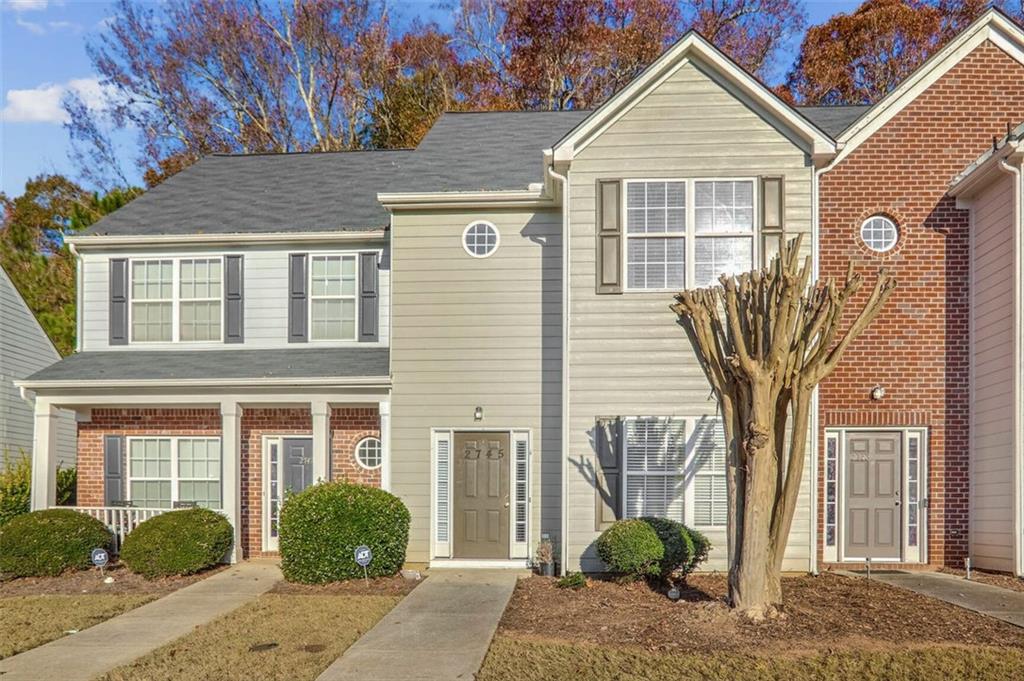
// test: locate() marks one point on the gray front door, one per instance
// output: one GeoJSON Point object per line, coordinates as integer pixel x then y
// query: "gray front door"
{"type": "Point", "coordinates": [873, 482]}
{"type": "Point", "coordinates": [480, 495]}
{"type": "Point", "coordinates": [298, 463]}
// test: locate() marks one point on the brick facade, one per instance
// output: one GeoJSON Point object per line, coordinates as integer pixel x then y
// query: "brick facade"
{"type": "Point", "coordinates": [917, 349]}
{"type": "Point", "coordinates": [348, 426]}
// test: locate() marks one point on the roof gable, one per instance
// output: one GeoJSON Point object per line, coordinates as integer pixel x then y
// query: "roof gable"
{"type": "Point", "coordinates": [992, 26]}
{"type": "Point", "coordinates": [693, 47]}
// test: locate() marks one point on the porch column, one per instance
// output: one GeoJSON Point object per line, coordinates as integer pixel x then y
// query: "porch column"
{"type": "Point", "coordinates": [321, 412]}
{"type": "Point", "coordinates": [44, 457]}
{"type": "Point", "coordinates": [384, 410]}
{"type": "Point", "coordinates": [231, 451]}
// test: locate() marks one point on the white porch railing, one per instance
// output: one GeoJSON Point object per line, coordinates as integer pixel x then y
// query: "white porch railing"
{"type": "Point", "coordinates": [120, 520]}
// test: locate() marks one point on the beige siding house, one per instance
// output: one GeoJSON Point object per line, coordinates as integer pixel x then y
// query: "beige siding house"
{"type": "Point", "coordinates": [993, 191]}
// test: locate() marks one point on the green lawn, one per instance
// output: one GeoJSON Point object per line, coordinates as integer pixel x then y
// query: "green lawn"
{"type": "Point", "coordinates": [279, 636]}
{"type": "Point", "coordinates": [30, 621]}
{"type": "Point", "coordinates": [513, 658]}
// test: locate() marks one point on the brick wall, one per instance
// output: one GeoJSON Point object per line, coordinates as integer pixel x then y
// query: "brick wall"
{"type": "Point", "coordinates": [348, 427]}
{"type": "Point", "coordinates": [132, 422]}
{"type": "Point", "coordinates": [255, 424]}
{"type": "Point", "coordinates": [918, 347]}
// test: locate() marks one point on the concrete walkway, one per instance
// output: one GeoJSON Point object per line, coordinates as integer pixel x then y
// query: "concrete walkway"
{"type": "Point", "coordinates": [122, 639]}
{"type": "Point", "coordinates": [440, 631]}
{"type": "Point", "coordinates": [986, 599]}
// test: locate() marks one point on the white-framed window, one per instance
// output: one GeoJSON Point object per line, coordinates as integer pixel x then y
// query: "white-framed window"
{"type": "Point", "coordinates": [710, 501]}
{"type": "Point", "coordinates": [879, 233]}
{"type": "Point", "coordinates": [654, 456]}
{"type": "Point", "coordinates": [152, 300]}
{"type": "Point", "coordinates": [332, 297]}
{"type": "Point", "coordinates": [201, 294]}
{"type": "Point", "coordinates": [687, 232]}
{"type": "Point", "coordinates": [368, 453]}
{"type": "Point", "coordinates": [481, 239]}
{"type": "Point", "coordinates": [165, 470]}
{"type": "Point", "coordinates": [176, 300]}
{"type": "Point", "coordinates": [675, 468]}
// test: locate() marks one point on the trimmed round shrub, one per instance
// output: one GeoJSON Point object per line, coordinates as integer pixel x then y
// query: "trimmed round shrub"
{"type": "Point", "coordinates": [631, 549]}
{"type": "Point", "coordinates": [180, 542]}
{"type": "Point", "coordinates": [322, 526]}
{"type": "Point", "coordinates": [684, 548]}
{"type": "Point", "coordinates": [46, 543]}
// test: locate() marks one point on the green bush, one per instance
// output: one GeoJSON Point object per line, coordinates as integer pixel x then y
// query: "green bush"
{"type": "Point", "coordinates": [177, 543]}
{"type": "Point", "coordinates": [46, 543]}
{"type": "Point", "coordinates": [631, 549]}
{"type": "Point", "coordinates": [16, 487]}
{"type": "Point", "coordinates": [684, 548]}
{"type": "Point", "coordinates": [572, 580]}
{"type": "Point", "coordinates": [322, 526]}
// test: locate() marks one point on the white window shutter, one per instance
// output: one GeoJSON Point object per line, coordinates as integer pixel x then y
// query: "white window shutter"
{"type": "Point", "coordinates": [442, 493]}
{"type": "Point", "coordinates": [521, 495]}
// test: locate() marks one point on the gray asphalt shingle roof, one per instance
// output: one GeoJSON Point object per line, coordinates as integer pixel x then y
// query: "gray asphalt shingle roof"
{"type": "Point", "coordinates": [303, 192]}
{"type": "Point", "coordinates": [164, 365]}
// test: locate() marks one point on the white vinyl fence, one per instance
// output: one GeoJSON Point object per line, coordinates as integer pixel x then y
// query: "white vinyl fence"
{"type": "Point", "coordinates": [120, 520]}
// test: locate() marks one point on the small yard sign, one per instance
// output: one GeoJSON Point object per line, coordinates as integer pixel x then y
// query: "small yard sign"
{"type": "Point", "coordinates": [100, 557]}
{"type": "Point", "coordinates": [363, 557]}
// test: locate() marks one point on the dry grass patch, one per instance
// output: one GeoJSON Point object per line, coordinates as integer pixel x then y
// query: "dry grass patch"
{"type": "Point", "coordinates": [834, 628]}
{"type": "Point", "coordinates": [278, 636]}
{"type": "Point", "coordinates": [518, 659]}
{"type": "Point", "coordinates": [30, 621]}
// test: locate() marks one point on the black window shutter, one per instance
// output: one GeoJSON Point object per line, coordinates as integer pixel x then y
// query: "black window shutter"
{"type": "Point", "coordinates": [369, 299]}
{"type": "Point", "coordinates": [609, 237]}
{"type": "Point", "coordinates": [119, 301]}
{"type": "Point", "coordinates": [297, 298]}
{"type": "Point", "coordinates": [234, 304]}
{"type": "Point", "coordinates": [113, 469]}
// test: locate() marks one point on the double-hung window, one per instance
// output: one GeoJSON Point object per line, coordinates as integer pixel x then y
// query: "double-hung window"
{"type": "Point", "coordinates": [176, 300]}
{"type": "Point", "coordinates": [686, 233]}
{"type": "Point", "coordinates": [165, 470]}
{"type": "Point", "coordinates": [333, 297]}
{"type": "Point", "coordinates": [675, 468]}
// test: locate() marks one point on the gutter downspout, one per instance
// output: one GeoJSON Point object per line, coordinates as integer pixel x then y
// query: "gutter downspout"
{"type": "Point", "coordinates": [78, 296]}
{"type": "Point", "coordinates": [816, 540]}
{"type": "Point", "coordinates": [563, 538]}
{"type": "Point", "coordinates": [1018, 388]}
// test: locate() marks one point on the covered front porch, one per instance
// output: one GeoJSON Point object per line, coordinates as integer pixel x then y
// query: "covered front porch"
{"type": "Point", "coordinates": [236, 445]}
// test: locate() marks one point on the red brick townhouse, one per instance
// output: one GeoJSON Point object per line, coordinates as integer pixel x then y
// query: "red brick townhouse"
{"type": "Point", "coordinates": [480, 324]}
{"type": "Point", "coordinates": [900, 444]}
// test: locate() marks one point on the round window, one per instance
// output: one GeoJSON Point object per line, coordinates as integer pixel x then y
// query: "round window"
{"type": "Point", "coordinates": [480, 239]}
{"type": "Point", "coordinates": [368, 453]}
{"type": "Point", "coordinates": [879, 233]}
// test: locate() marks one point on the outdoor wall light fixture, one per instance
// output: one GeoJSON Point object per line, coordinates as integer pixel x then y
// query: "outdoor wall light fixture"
{"type": "Point", "coordinates": [478, 414]}
{"type": "Point", "coordinates": [877, 393]}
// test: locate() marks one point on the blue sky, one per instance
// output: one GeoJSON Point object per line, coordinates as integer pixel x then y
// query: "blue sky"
{"type": "Point", "coordinates": [42, 54]}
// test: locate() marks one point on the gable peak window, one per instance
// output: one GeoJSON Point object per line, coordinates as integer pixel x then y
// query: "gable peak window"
{"type": "Point", "coordinates": [879, 233]}
{"type": "Point", "coordinates": [480, 239]}
{"type": "Point", "coordinates": [687, 232]}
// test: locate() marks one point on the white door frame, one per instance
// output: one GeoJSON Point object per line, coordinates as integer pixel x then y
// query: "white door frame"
{"type": "Point", "coordinates": [441, 551]}
{"type": "Point", "coordinates": [835, 553]}
{"type": "Point", "coordinates": [271, 544]}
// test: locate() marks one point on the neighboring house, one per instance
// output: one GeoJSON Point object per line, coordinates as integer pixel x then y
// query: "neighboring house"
{"type": "Point", "coordinates": [24, 349]}
{"type": "Point", "coordinates": [419, 320]}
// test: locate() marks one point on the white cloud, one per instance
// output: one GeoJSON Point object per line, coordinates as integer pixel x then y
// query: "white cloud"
{"type": "Point", "coordinates": [26, 5]}
{"type": "Point", "coordinates": [42, 104]}
{"type": "Point", "coordinates": [30, 26]}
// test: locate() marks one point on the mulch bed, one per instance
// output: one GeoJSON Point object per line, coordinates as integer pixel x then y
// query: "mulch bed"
{"type": "Point", "coordinates": [1000, 579]}
{"type": "Point", "coordinates": [378, 586]}
{"type": "Point", "coordinates": [91, 581]}
{"type": "Point", "coordinates": [824, 613]}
